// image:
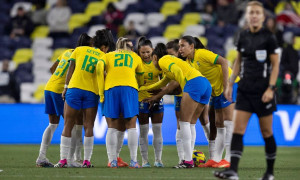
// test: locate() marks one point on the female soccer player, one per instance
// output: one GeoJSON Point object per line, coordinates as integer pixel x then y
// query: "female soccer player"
{"type": "Point", "coordinates": [55, 106]}
{"type": "Point", "coordinates": [81, 92]}
{"type": "Point", "coordinates": [124, 75]}
{"type": "Point", "coordinates": [196, 93]}
{"type": "Point", "coordinates": [151, 76]}
{"type": "Point", "coordinates": [258, 65]}
{"type": "Point", "coordinates": [215, 69]}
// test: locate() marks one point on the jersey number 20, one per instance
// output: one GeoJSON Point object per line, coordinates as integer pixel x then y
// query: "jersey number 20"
{"type": "Point", "coordinates": [122, 60]}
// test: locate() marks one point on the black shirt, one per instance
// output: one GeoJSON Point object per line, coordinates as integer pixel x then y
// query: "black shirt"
{"type": "Point", "coordinates": [255, 49]}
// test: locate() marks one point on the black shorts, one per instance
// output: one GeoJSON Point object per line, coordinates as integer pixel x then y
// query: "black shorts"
{"type": "Point", "coordinates": [253, 103]}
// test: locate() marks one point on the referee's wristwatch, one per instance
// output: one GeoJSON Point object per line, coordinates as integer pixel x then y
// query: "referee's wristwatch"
{"type": "Point", "coordinates": [272, 87]}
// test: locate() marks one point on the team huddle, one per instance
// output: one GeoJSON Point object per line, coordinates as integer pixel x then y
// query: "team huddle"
{"type": "Point", "coordinates": [130, 84]}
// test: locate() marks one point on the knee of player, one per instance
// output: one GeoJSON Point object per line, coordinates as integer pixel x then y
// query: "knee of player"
{"type": "Point", "coordinates": [266, 132]}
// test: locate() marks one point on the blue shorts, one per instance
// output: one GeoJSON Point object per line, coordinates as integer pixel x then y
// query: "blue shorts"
{"type": "Point", "coordinates": [54, 103]}
{"type": "Point", "coordinates": [220, 102]}
{"type": "Point", "coordinates": [177, 102]}
{"type": "Point", "coordinates": [199, 89]}
{"type": "Point", "coordinates": [144, 108]}
{"type": "Point", "coordinates": [121, 100]}
{"type": "Point", "coordinates": [81, 99]}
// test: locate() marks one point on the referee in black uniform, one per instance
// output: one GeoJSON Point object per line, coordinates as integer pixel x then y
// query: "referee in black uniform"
{"type": "Point", "coordinates": [257, 64]}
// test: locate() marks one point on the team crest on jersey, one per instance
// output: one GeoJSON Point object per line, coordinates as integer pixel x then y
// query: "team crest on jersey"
{"type": "Point", "coordinates": [198, 63]}
{"type": "Point", "coordinates": [141, 105]}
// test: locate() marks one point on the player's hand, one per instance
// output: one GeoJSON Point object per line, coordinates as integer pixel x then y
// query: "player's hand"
{"type": "Point", "coordinates": [152, 100]}
{"type": "Point", "coordinates": [268, 95]}
{"type": "Point", "coordinates": [101, 98]}
{"type": "Point", "coordinates": [228, 93]}
{"type": "Point", "coordinates": [63, 94]}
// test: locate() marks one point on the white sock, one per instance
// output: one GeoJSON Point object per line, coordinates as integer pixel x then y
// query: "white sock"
{"type": "Point", "coordinates": [228, 136]}
{"type": "Point", "coordinates": [144, 130]}
{"type": "Point", "coordinates": [88, 147]}
{"type": "Point", "coordinates": [133, 143]}
{"type": "Point", "coordinates": [78, 148]}
{"type": "Point", "coordinates": [157, 141]}
{"type": "Point", "coordinates": [120, 136]}
{"type": "Point", "coordinates": [73, 145]}
{"type": "Point", "coordinates": [212, 149]}
{"type": "Point", "coordinates": [111, 144]}
{"type": "Point", "coordinates": [179, 146]}
{"type": "Point", "coordinates": [65, 143]}
{"type": "Point", "coordinates": [193, 137]}
{"type": "Point", "coordinates": [206, 129]}
{"type": "Point", "coordinates": [46, 140]}
{"type": "Point", "coordinates": [185, 130]}
{"type": "Point", "coordinates": [220, 140]}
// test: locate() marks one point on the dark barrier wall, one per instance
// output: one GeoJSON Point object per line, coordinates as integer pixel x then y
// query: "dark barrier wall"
{"type": "Point", "coordinates": [25, 124]}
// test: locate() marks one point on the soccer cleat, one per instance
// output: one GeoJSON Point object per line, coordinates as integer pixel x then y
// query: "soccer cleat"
{"type": "Point", "coordinates": [86, 164]}
{"type": "Point", "coordinates": [113, 164]}
{"type": "Point", "coordinates": [43, 163]}
{"type": "Point", "coordinates": [122, 163]}
{"type": "Point", "coordinates": [226, 174]}
{"type": "Point", "coordinates": [185, 164]}
{"type": "Point", "coordinates": [158, 164]}
{"type": "Point", "coordinates": [209, 163]}
{"type": "Point", "coordinates": [134, 165]}
{"type": "Point", "coordinates": [74, 164]}
{"type": "Point", "coordinates": [267, 176]}
{"type": "Point", "coordinates": [61, 164]}
{"type": "Point", "coordinates": [146, 164]}
{"type": "Point", "coordinates": [222, 164]}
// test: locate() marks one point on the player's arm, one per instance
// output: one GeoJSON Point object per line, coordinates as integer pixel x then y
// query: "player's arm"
{"type": "Point", "coordinates": [53, 67]}
{"type": "Point", "coordinates": [224, 65]}
{"type": "Point", "coordinates": [159, 84]}
{"type": "Point", "coordinates": [100, 78]}
{"type": "Point", "coordinates": [178, 74]}
{"type": "Point", "coordinates": [235, 72]}
{"type": "Point", "coordinates": [140, 73]}
{"type": "Point", "coordinates": [70, 72]}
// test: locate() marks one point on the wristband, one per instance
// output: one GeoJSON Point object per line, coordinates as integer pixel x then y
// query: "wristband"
{"type": "Point", "coordinates": [66, 86]}
{"type": "Point", "coordinates": [272, 87]}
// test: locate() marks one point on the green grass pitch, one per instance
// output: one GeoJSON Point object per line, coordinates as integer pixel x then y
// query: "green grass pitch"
{"type": "Point", "coordinates": [18, 162]}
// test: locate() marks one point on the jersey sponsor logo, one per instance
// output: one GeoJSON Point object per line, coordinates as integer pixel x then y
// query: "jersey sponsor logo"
{"type": "Point", "coordinates": [261, 55]}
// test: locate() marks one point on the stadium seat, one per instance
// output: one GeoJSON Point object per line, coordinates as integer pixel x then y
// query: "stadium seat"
{"type": "Point", "coordinates": [121, 5]}
{"type": "Point", "coordinates": [6, 53]}
{"type": "Point", "coordinates": [279, 7]}
{"type": "Point", "coordinates": [21, 42]}
{"type": "Point", "coordinates": [158, 39]}
{"type": "Point", "coordinates": [203, 40]}
{"type": "Point", "coordinates": [95, 8]}
{"type": "Point", "coordinates": [42, 43]}
{"type": "Point", "coordinates": [170, 8]}
{"type": "Point", "coordinates": [297, 43]}
{"type": "Point", "coordinates": [78, 20]}
{"type": "Point", "coordinates": [62, 43]}
{"type": "Point", "coordinates": [94, 28]}
{"type": "Point", "coordinates": [231, 56]}
{"type": "Point", "coordinates": [42, 53]}
{"type": "Point", "coordinates": [57, 53]}
{"type": "Point", "coordinates": [22, 56]}
{"type": "Point", "coordinates": [41, 76]}
{"type": "Point", "coordinates": [185, 1]}
{"type": "Point", "coordinates": [195, 30]}
{"type": "Point", "coordinates": [24, 72]}
{"type": "Point", "coordinates": [40, 32]}
{"type": "Point", "coordinates": [139, 20]}
{"type": "Point", "coordinates": [173, 31]}
{"type": "Point", "coordinates": [27, 90]}
{"type": "Point", "coordinates": [173, 19]}
{"type": "Point", "coordinates": [156, 31]}
{"type": "Point", "coordinates": [190, 18]}
{"type": "Point", "coordinates": [155, 19]}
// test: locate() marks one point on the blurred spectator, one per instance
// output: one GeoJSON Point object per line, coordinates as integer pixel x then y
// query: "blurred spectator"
{"type": "Point", "coordinates": [131, 32]}
{"type": "Point", "coordinates": [272, 26]}
{"type": "Point", "coordinates": [20, 25]}
{"type": "Point", "coordinates": [209, 16]}
{"type": "Point", "coordinates": [113, 18]}
{"type": "Point", "coordinates": [39, 16]}
{"type": "Point", "coordinates": [58, 18]}
{"type": "Point", "coordinates": [288, 17]}
{"type": "Point", "coordinates": [9, 86]}
{"type": "Point", "coordinates": [290, 57]}
{"type": "Point", "coordinates": [227, 12]}
{"type": "Point", "coordinates": [198, 5]}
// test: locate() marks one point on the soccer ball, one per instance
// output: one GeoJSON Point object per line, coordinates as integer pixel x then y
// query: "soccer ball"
{"type": "Point", "coordinates": [198, 157]}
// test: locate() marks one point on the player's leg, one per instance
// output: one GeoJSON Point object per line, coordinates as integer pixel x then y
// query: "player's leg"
{"type": "Point", "coordinates": [195, 117]}
{"type": "Point", "coordinates": [265, 123]}
{"type": "Point", "coordinates": [157, 118]}
{"type": "Point", "coordinates": [79, 126]}
{"type": "Point", "coordinates": [179, 144]}
{"type": "Point", "coordinates": [204, 120]}
{"type": "Point", "coordinates": [144, 130]}
{"type": "Point", "coordinates": [120, 139]}
{"type": "Point", "coordinates": [240, 121]}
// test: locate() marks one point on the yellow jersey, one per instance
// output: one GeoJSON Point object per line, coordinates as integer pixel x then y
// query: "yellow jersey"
{"type": "Point", "coordinates": [151, 76]}
{"type": "Point", "coordinates": [57, 80]}
{"type": "Point", "coordinates": [205, 62]}
{"type": "Point", "coordinates": [123, 68]}
{"type": "Point", "coordinates": [84, 76]}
